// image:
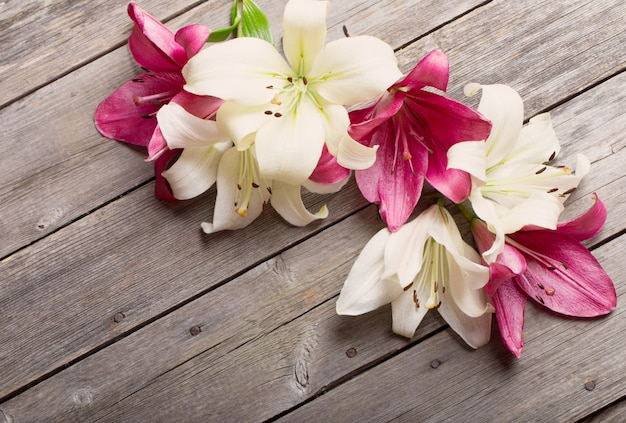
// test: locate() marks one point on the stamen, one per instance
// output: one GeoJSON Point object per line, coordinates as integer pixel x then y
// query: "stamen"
{"type": "Point", "coordinates": [147, 116]}
{"type": "Point", "coordinates": [138, 80]}
{"type": "Point", "coordinates": [255, 185]}
{"type": "Point", "coordinates": [277, 114]}
{"type": "Point", "coordinates": [552, 156]}
{"type": "Point", "coordinates": [290, 79]}
{"type": "Point", "coordinates": [551, 268]}
{"type": "Point", "coordinates": [569, 191]}
{"type": "Point", "coordinates": [550, 191]}
{"type": "Point", "coordinates": [268, 112]}
{"type": "Point", "coordinates": [406, 288]}
{"type": "Point", "coordinates": [539, 299]}
{"type": "Point", "coordinates": [543, 169]}
{"type": "Point", "coordinates": [270, 87]}
{"type": "Point", "coordinates": [345, 31]}
{"type": "Point", "coordinates": [304, 80]}
{"type": "Point", "coordinates": [540, 285]}
{"type": "Point", "coordinates": [156, 99]}
{"type": "Point", "coordinates": [564, 264]}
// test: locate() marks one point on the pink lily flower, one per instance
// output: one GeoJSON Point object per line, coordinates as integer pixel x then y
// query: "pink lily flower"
{"type": "Point", "coordinates": [128, 114]}
{"type": "Point", "coordinates": [551, 267]}
{"type": "Point", "coordinates": [413, 129]}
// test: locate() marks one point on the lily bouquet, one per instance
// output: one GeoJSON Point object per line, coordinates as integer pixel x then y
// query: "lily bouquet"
{"type": "Point", "coordinates": [226, 108]}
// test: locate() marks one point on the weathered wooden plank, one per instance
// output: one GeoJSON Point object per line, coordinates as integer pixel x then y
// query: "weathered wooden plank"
{"type": "Point", "coordinates": [569, 368]}
{"type": "Point", "coordinates": [35, 34]}
{"type": "Point", "coordinates": [268, 296]}
{"type": "Point", "coordinates": [132, 257]}
{"type": "Point", "coordinates": [168, 343]}
{"type": "Point", "coordinates": [613, 414]}
{"type": "Point", "coordinates": [51, 151]}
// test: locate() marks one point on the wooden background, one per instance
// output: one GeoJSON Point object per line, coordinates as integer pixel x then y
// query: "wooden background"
{"type": "Point", "coordinates": [114, 307]}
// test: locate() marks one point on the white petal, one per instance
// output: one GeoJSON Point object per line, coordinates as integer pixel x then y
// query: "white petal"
{"type": "Point", "coordinates": [240, 70]}
{"type": "Point", "coordinates": [195, 171]}
{"type": "Point", "coordinates": [537, 141]}
{"type": "Point", "coordinates": [289, 147]}
{"type": "Point", "coordinates": [241, 122]}
{"type": "Point", "coordinates": [224, 215]}
{"type": "Point", "coordinates": [336, 122]}
{"type": "Point", "coordinates": [365, 290]}
{"type": "Point", "coordinates": [503, 106]}
{"type": "Point", "coordinates": [405, 315]}
{"type": "Point", "coordinates": [181, 129]}
{"type": "Point", "coordinates": [354, 155]}
{"type": "Point", "coordinates": [304, 29]}
{"type": "Point", "coordinates": [475, 331]}
{"type": "Point", "coordinates": [324, 188]}
{"type": "Point", "coordinates": [354, 69]}
{"type": "Point", "coordinates": [286, 200]}
{"type": "Point", "coordinates": [405, 249]}
{"type": "Point", "coordinates": [465, 280]}
{"type": "Point", "coordinates": [469, 156]}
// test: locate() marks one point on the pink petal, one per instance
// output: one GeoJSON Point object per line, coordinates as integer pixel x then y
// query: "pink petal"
{"type": "Point", "coordinates": [365, 121]}
{"type": "Point", "coordinates": [162, 190]}
{"type": "Point", "coordinates": [157, 145]}
{"type": "Point", "coordinates": [192, 38]}
{"type": "Point", "coordinates": [586, 225]}
{"type": "Point", "coordinates": [509, 302]}
{"type": "Point", "coordinates": [563, 275]}
{"type": "Point", "coordinates": [201, 106]}
{"type": "Point", "coordinates": [123, 118]}
{"type": "Point", "coordinates": [432, 71]}
{"type": "Point", "coordinates": [152, 43]}
{"type": "Point", "coordinates": [393, 182]}
{"type": "Point", "coordinates": [328, 171]}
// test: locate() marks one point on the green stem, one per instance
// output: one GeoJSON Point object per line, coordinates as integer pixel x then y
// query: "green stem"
{"type": "Point", "coordinates": [467, 213]}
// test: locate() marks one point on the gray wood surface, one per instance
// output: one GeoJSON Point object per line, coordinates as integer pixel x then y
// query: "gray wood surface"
{"type": "Point", "coordinates": [115, 307]}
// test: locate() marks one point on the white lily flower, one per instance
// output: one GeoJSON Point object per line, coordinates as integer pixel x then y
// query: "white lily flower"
{"type": "Point", "coordinates": [290, 108]}
{"type": "Point", "coordinates": [512, 187]}
{"type": "Point", "coordinates": [424, 265]}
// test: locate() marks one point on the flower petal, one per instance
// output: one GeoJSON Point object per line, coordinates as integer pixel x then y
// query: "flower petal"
{"type": "Point", "coordinates": [405, 249]}
{"type": "Point", "coordinates": [509, 303]}
{"type": "Point", "coordinates": [537, 141]}
{"type": "Point", "coordinates": [195, 171]}
{"type": "Point", "coordinates": [365, 290]}
{"type": "Point", "coordinates": [122, 118]}
{"type": "Point", "coordinates": [469, 156]}
{"type": "Point", "coordinates": [432, 70]}
{"type": "Point", "coordinates": [161, 188]}
{"type": "Point", "coordinates": [354, 155]}
{"type": "Point", "coordinates": [304, 29]}
{"type": "Point", "coordinates": [336, 121]}
{"type": "Point", "coordinates": [586, 225]}
{"type": "Point", "coordinates": [224, 215]}
{"type": "Point", "coordinates": [192, 38]}
{"type": "Point", "coordinates": [327, 173]}
{"type": "Point", "coordinates": [352, 70]}
{"type": "Point", "coordinates": [181, 129]}
{"type": "Point", "coordinates": [241, 122]}
{"type": "Point", "coordinates": [152, 43]}
{"type": "Point", "coordinates": [406, 317]}
{"type": "Point", "coordinates": [238, 70]}
{"type": "Point", "coordinates": [475, 331]}
{"type": "Point", "coordinates": [287, 201]}
{"type": "Point", "coordinates": [503, 106]}
{"type": "Point", "coordinates": [563, 275]}
{"type": "Point", "coordinates": [289, 147]}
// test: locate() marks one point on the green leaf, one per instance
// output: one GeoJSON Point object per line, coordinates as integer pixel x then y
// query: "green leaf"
{"type": "Point", "coordinates": [223, 33]}
{"type": "Point", "coordinates": [254, 23]}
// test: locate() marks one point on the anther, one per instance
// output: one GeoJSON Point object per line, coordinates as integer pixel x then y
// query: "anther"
{"type": "Point", "coordinates": [290, 79]}
{"type": "Point", "coordinates": [406, 288]}
{"type": "Point", "coordinates": [564, 264]}
{"type": "Point", "coordinates": [550, 191]}
{"type": "Point", "coordinates": [304, 80]}
{"type": "Point", "coordinates": [552, 156]}
{"type": "Point", "coordinates": [551, 268]}
{"type": "Point", "coordinates": [270, 87]}
{"type": "Point", "coordinates": [255, 185]}
{"type": "Point", "coordinates": [569, 191]}
{"type": "Point", "coordinates": [239, 187]}
{"type": "Point", "coordinates": [437, 306]}
{"type": "Point", "coordinates": [269, 189]}
{"type": "Point", "coordinates": [539, 299]}
{"type": "Point", "coordinates": [268, 112]}
{"type": "Point", "coordinates": [436, 287]}
{"type": "Point", "coordinates": [540, 285]}
{"type": "Point", "coordinates": [138, 80]}
{"type": "Point", "coordinates": [345, 31]}
{"type": "Point", "coordinates": [543, 169]}
{"type": "Point", "coordinates": [147, 116]}
{"type": "Point", "coordinates": [277, 114]}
